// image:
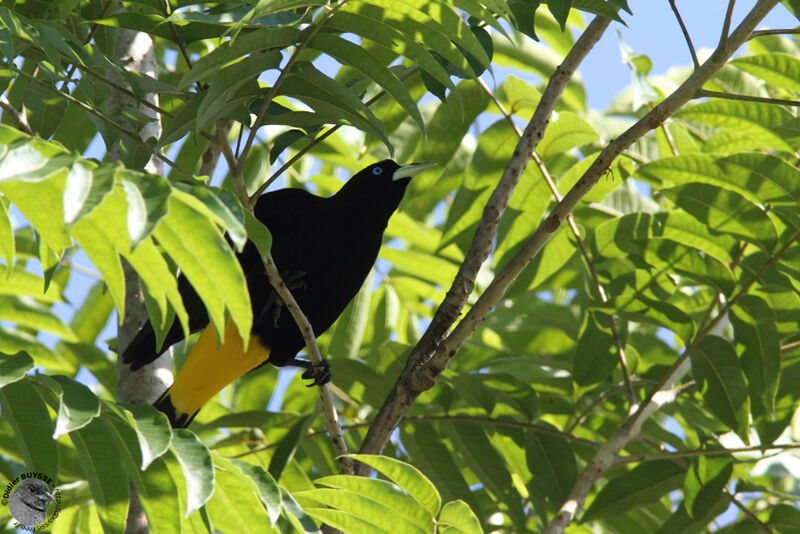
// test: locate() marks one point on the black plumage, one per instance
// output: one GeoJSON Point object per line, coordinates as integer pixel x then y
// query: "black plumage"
{"type": "Point", "coordinates": [323, 248]}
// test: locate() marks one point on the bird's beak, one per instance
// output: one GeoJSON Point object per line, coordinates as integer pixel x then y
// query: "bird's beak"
{"type": "Point", "coordinates": [411, 169]}
{"type": "Point", "coordinates": [48, 496]}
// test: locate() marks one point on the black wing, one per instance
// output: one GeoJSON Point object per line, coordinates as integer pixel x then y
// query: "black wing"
{"type": "Point", "coordinates": [277, 210]}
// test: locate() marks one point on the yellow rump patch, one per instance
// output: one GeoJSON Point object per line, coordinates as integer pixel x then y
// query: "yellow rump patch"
{"type": "Point", "coordinates": [208, 369]}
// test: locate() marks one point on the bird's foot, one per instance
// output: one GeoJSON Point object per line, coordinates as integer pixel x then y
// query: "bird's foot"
{"type": "Point", "coordinates": [320, 374]}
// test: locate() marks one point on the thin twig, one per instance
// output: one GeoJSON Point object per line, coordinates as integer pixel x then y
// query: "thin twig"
{"type": "Point", "coordinates": [790, 346]}
{"type": "Point", "coordinates": [726, 26]}
{"type": "Point", "coordinates": [701, 93]}
{"type": "Point", "coordinates": [785, 31]}
{"type": "Point", "coordinates": [746, 511]}
{"type": "Point", "coordinates": [685, 33]}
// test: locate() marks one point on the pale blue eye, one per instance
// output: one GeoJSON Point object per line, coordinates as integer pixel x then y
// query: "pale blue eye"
{"type": "Point", "coordinates": [377, 170]}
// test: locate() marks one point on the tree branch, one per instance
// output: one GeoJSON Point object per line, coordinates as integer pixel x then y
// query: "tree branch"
{"type": "Point", "coordinates": [702, 452]}
{"type": "Point", "coordinates": [411, 382]}
{"type": "Point", "coordinates": [331, 417]}
{"type": "Point", "coordinates": [685, 33]}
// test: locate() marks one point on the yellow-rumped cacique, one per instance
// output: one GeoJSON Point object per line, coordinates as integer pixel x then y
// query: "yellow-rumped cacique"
{"type": "Point", "coordinates": [324, 249]}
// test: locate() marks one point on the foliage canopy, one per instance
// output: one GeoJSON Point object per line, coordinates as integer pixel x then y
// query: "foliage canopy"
{"type": "Point", "coordinates": [673, 286]}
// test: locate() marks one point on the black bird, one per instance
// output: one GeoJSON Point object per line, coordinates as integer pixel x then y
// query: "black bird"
{"type": "Point", "coordinates": [28, 503]}
{"type": "Point", "coordinates": [323, 248]}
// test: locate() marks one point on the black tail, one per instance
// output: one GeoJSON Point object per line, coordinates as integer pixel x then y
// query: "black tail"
{"type": "Point", "coordinates": [176, 420]}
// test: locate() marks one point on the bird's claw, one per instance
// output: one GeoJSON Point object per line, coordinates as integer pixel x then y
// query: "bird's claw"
{"type": "Point", "coordinates": [320, 374]}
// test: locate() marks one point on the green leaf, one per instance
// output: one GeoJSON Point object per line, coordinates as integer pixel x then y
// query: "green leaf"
{"type": "Point", "coordinates": [222, 207]}
{"type": "Point", "coordinates": [108, 481]}
{"type": "Point", "coordinates": [85, 190]}
{"type": "Point", "coordinates": [385, 493]}
{"type": "Point", "coordinates": [94, 241]}
{"type": "Point", "coordinates": [235, 501]}
{"type": "Point", "coordinates": [299, 519]}
{"type": "Point", "coordinates": [458, 518]}
{"type": "Point", "coordinates": [363, 507]}
{"type": "Point", "coordinates": [258, 234]}
{"type": "Point", "coordinates": [148, 198]}
{"type": "Point", "coordinates": [778, 70]}
{"type": "Point", "coordinates": [387, 34]}
{"type": "Point", "coordinates": [560, 10]}
{"type": "Point", "coordinates": [721, 383]}
{"type": "Point", "coordinates": [155, 487]}
{"type": "Point", "coordinates": [642, 485]}
{"type": "Point", "coordinates": [567, 132]}
{"type": "Point", "coordinates": [29, 418]}
{"type": "Point", "coordinates": [355, 56]}
{"type": "Point", "coordinates": [200, 251]}
{"type": "Point", "coordinates": [436, 460]}
{"type": "Point", "coordinates": [241, 45]}
{"type": "Point", "coordinates": [596, 355]}
{"type": "Point", "coordinates": [285, 450]}
{"type": "Point", "coordinates": [34, 315]}
{"type": "Point", "coordinates": [348, 331]}
{"type": "Point", "coordinates": [22, 283]}
{"type": "Point", "coordinates": [618, 237]}
{"type": "Point", "coordinates": [483, 459]}
{"type": "Point", "coordinates": [227, 82]}
{"type": "Point", "coordinates": [160, 284]}
{"type": "Point", "coordinates": [330, 97]}
{"type": "Point", "coordinates": [7, 243]}
{"type": "Point", "coordinates": [41, 203]}
{"type": "Point", "coordinates": [268, 490]}
{"type": "Point", "coordinates": [725, 211]}
{"type": "Point", "coordinates": [755, 119]}
{"type": "Point", "coordinates": [13, 367]}
{"type": "Point", "coordinates": [432, 268]}
{"type": "Point", "coordinates": [77, 406]}
{"type": "Point", "coordinates": [152, 430]}
{"type": "Point", "coordinates": [197, 466]}
{"type": "Point", "coordinates": [757, 344]}
{"type": "Point", "coordinates": [407, 477]}
{"type": "Point", "coordinates": [552, 464]}
{"type": "Point", "coordinates": [704, 483]}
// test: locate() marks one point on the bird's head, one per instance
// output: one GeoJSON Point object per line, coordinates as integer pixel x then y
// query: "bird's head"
{"type": "Point", "coordinates": [384, 179]}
